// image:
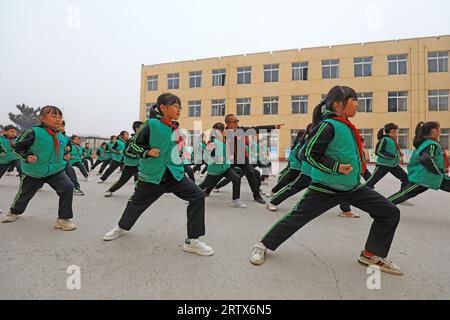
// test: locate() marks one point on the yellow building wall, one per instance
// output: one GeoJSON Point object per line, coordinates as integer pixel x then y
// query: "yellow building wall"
{"type": "Point", "coordinates": [417, 82]}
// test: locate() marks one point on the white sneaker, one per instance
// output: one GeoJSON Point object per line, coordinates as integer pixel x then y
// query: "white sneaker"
{"type": "Point", "coordinates": [100, 181]}
{"type": "Point", "coordinates": [9, 217]}
{"type": "Point", "coordinates": [198, 247]}
{"type": "Point", "coordinates": [65, 225]}
{"type": "Point", "coordinates": [271, 207]}
{"type": "Point", "coordinates": [87, 179]}
{"type": "Point", "coordinates": [114, 233]}
{"type": "Point", "coordinates": [216, 190]}
{"type": "Point", "coordinates": [78, 192]}
{"type": "Point", "coordinates": [108, 194]}
{"type": "Point", "coordinates": [269, 194]}
{"type": "Point", "coordinates": [258, 254]}
{"type": "Point", "coordinates": [238, 204]}
{"type": "Point", "coordinates": [99, 174]}
{"type": "Point", "coordinates": [406, 203]}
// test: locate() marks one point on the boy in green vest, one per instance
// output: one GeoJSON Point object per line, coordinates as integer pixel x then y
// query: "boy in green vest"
{"type": "Point", "coordinates": [131, 163]}
{"type": "Point", "coordinates": [161, 170]}
{"type": "Point", "coordinates": [100, 153]}
{"type": "Point", "coordinates": [117, 155]}
{"type": "Point", "coordinates": [87, 156]}
{"type": "Point", "coordinates": [107, 157]}
{"type": "Point", "coordinates": [334, 150]}
{"type": "Point", "coordinates": [7, 157]}
{"type": "Point", "coordinates": [41, 149]}
{"type": "Point", "coordinates": [76, 153]}
{"type": "Point", "coordinates": [429, 165]}
{"type": "Point", "coordinates": [219, 166]}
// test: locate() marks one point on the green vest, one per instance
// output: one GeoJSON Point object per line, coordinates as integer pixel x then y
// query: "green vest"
{"type": "Point", "coordinates": [392, 149]}
{"type": "Point", "coordinates": [294, 163]}
{"type": "Point", "coordinates": [152, 169]}
{"type": "Point", "coordinates": [108, 153]}
{"type": "Point", "coordinates": [43, 147]}
{"type": "Point", "coordinates": [344, 150]}
{"type": "Point", "coordinates": [88, 152]}
{"type": "Point", "coordinates": [120, 147]}
{"type": "Point", "coordinates": [222, 165]}
{"type": "Point", "coordinates": [101, 157]}
{"type": "Point", "coordinates": [252, 151]}
{"type": "Point", "coordinates": [76, 153]}
{"type": "Point", "coordinates": [9, 155]}
{"type": "Point", "coordinates": [418, 174]}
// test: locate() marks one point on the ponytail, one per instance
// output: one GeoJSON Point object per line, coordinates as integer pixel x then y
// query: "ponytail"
{"type": "Point", "coordinates": [318, 112]}
{"type": "Point", "coordinates": [380, 134]}
{"type": "Point", "coordinates": [423, 130]}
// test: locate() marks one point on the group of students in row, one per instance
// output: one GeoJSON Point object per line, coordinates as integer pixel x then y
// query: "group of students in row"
{"type": "Point", "coordinates": [327, 160]}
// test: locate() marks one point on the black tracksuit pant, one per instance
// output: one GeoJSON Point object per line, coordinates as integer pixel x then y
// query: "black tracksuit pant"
{"type": "Point", "coordinates": [13, 164]}
{"type": "Point", "coordinates": [211, 180]}
{"type": "Point", "coordinates": [290, 176]}
{"type": "Point", "coordinates": [345, 207]}
{"type": "Point", "coordinates": [29, 186]}
{"type": "Point", "coordinates": [97, 162]}
{"type": "Point", "coordinates": [253, 177]}
{"type": "Point", "coordinates": [105, 163]}
{"type": "Point", "coordinates": [189, 171]}
{"type": "Point", "coordinates": [127, 173]}
{"type": "Point", "coordinates": [82, 168]}
{"type": "Point", "coordinates": [412, 190]}
{"type": "Point", "coordinates": [380, 171]}
{"type": "Point", "coordinates": [147, 193]}
{"type": "Point", "coordinates": [313, 203]}
{"type": "Point", "coordinates": [70, 172]}
{"type": "Point", "coordinates": [112, 167]}
{"type": "Point", "coordinates": [86, 162]}
{"type": "Point", "coordinates": [301, 182]}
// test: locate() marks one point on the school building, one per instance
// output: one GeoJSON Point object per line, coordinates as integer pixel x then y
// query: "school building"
{"type": "Point", "coordinates": [400, 81]}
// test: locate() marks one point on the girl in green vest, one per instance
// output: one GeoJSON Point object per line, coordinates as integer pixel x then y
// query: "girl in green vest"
{"type": "Point", "coordinates": [107, 155]}
{"type": "Point", "coordinates": [334, 150]}
{"type": "Point", "coordinates": [117, 155]}
{"type": "Point", "coordinates": [87, 158]}
{"type": "Point", "coordinates": [76, 154]}
{"type": "Point", "coordinates": [131, 163]}
{"type": "Point", "coordinates": [389, 156]}
{"type": "Point", "coordinates": [41, 150]}
{"type": "Point", "coordinates": [159, 146]}
{"type": "Point", "coordinates": [7, 157]}
{"type": "Point", "coordinates": [429, 165]}
{"type": "Point", "coordinates": [100, 153]}
{"type": "Point", "coordinates": [219, 166]}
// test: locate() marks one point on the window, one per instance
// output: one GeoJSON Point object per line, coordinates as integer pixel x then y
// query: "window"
{"type": "Point", "coordinates": [438, 100]}
{"type": "Point", "coordinates": [445, 138]}
{"type": "Point", "coordinates": [195, 79]}
{"type": "Point", "coordinates": [300, 71]}
{"type": "Point", "coordinates": [438, 61]}
{"type": "Point", "coordinates": [195, 108]}
{"type": "Point", "coordinates": [243, 106]}
{"type": "Point", "coordinates": [271, 72]}
{"type": "Point", "coordinates": [299, 104]}
{"type": "Point", "coordinates": [367, 134]}
{"type": "Point", "coordinates": [173, 81]}
{"type": "Point", "coordinates": [244, 75]}
{"type": "Point", "coordinates": [270, 105]}
{"type": "Point", "coordinates": [403, 138]}
{"type": "Point", "coordinates": [147, 109]}
{"type": "Point", "coordinates": [218, 107]}
{"type": "Point", "coordinates": [397, 64]}
{"type": "Point", "coordinates": [152, 83]}
{"type": "Point", "coordinates": [365, 102]}
{"type": "Point", "coordinates": [397, 101]}
{"type": "Point", "coordinates": [330, 69]}
{"type": "Point", "coordinates": [218, 77]}
{"type": "Point", "coordinates": [363, 67]}
{"type": "Point", "coordinates": [294, 133]}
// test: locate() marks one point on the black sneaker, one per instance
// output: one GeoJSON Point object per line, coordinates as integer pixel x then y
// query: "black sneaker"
{"type": "Point", "coordinates": [259, 199]}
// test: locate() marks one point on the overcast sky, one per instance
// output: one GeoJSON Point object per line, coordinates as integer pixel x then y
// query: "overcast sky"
{"type": "Point", "coordinates": [85, 56]}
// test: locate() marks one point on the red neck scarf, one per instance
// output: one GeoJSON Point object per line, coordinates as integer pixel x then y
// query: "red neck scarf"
{"type": "Point", "coordinates": [11, 141]}
{"type": "Point", "coordinates": [357, 138]}
{"type": "Point", "coordinates": [446, 161]}
{"type": "Point", "coordinates": [55, 140]}
{"type": "Point", "coordinates": [179, 141]}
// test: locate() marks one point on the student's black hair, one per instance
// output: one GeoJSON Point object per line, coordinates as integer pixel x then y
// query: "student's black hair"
{"type": "Point", "coordinates": [166, 99]}
{"type": "Point", "coordinates": [137, 125]}
{"type": "Point", "coordinates": [103, 144]}
{"type": "Point", "coordinates": [74, 136]}
{"type": "Point", "coordinates": [9, 127]}
{"type": "Point", "coordinates": [112, 137]}
{"type": "Point", "coordinates": [387, 128]}
{"type": "Point", "coordinates": [64, 123]}
{"type": "Point", "coordinates": [423, 130]}
{"type": "Point", "coordinates": [336, 94]}
{"type": "Point", "coordinates": [87, 143]}
{"type": "Point", "coordinates": [298, 138]}
{"type": "Point", "coordinates": [305, 135]}
{"type": "Point", "coordinates": [121, 134]}
{"type": "Point", "coordinates": [50, 109]}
